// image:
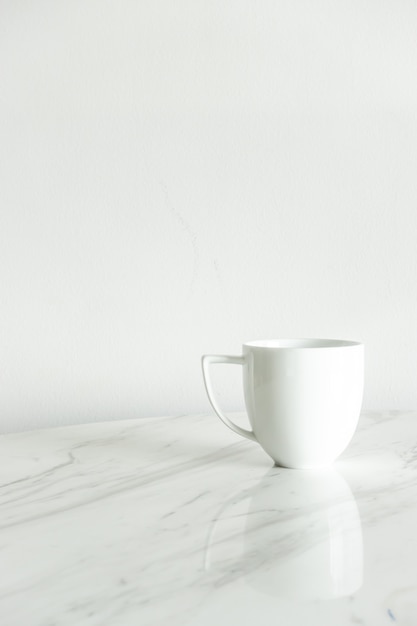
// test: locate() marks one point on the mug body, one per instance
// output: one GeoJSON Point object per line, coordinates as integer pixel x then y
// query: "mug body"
{"type": "Point", "coordinates": [303, 397]}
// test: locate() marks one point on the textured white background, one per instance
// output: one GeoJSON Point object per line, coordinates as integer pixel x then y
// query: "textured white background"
{"type": "Point", "coordinates": [178, 177]}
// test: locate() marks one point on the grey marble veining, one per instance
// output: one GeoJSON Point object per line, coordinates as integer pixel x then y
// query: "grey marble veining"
{"type": "Point", "coordinates": [179, 521]}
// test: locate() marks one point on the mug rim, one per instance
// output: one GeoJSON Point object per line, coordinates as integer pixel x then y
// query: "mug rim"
{"type": "Point", "coordinates": [300, 344]}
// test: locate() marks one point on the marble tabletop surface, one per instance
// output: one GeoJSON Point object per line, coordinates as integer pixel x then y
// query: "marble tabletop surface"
{"type": "Point", "coordinates": [178, 521]}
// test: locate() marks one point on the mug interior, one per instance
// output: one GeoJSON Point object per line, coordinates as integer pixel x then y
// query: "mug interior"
{"type": "Point", "coordinates": [301, 343]}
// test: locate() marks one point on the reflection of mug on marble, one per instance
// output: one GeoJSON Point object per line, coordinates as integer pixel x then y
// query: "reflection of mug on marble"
{"type": "Point", "coordinates": [302, 538]}
{"type": "Point", "coordinates": [303, 397]}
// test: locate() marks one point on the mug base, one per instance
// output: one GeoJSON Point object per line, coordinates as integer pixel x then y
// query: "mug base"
{"type": "Point", "coordinates": [318, 466]}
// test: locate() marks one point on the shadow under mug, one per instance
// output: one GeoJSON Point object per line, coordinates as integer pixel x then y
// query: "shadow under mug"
{"type": "Point", "coordinates": [303, 397]}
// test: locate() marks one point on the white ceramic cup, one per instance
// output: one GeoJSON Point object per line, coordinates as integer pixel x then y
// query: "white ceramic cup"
{"type": "Point", "coordinates": [303, 397]}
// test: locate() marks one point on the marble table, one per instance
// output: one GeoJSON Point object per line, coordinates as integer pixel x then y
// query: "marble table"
{"type": "Point", "coordinates": [178, 521]}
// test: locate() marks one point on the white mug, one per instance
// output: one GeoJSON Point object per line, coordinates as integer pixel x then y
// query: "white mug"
{"type": "Point", "coordinates": [303, 397]}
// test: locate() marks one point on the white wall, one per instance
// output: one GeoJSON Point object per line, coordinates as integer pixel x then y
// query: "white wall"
{"type": "Point", "coordinates": [177, 177]}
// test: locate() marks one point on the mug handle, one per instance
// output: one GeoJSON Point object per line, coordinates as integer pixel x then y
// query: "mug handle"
{"type": "Point", "coordinates": [206, 360]}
